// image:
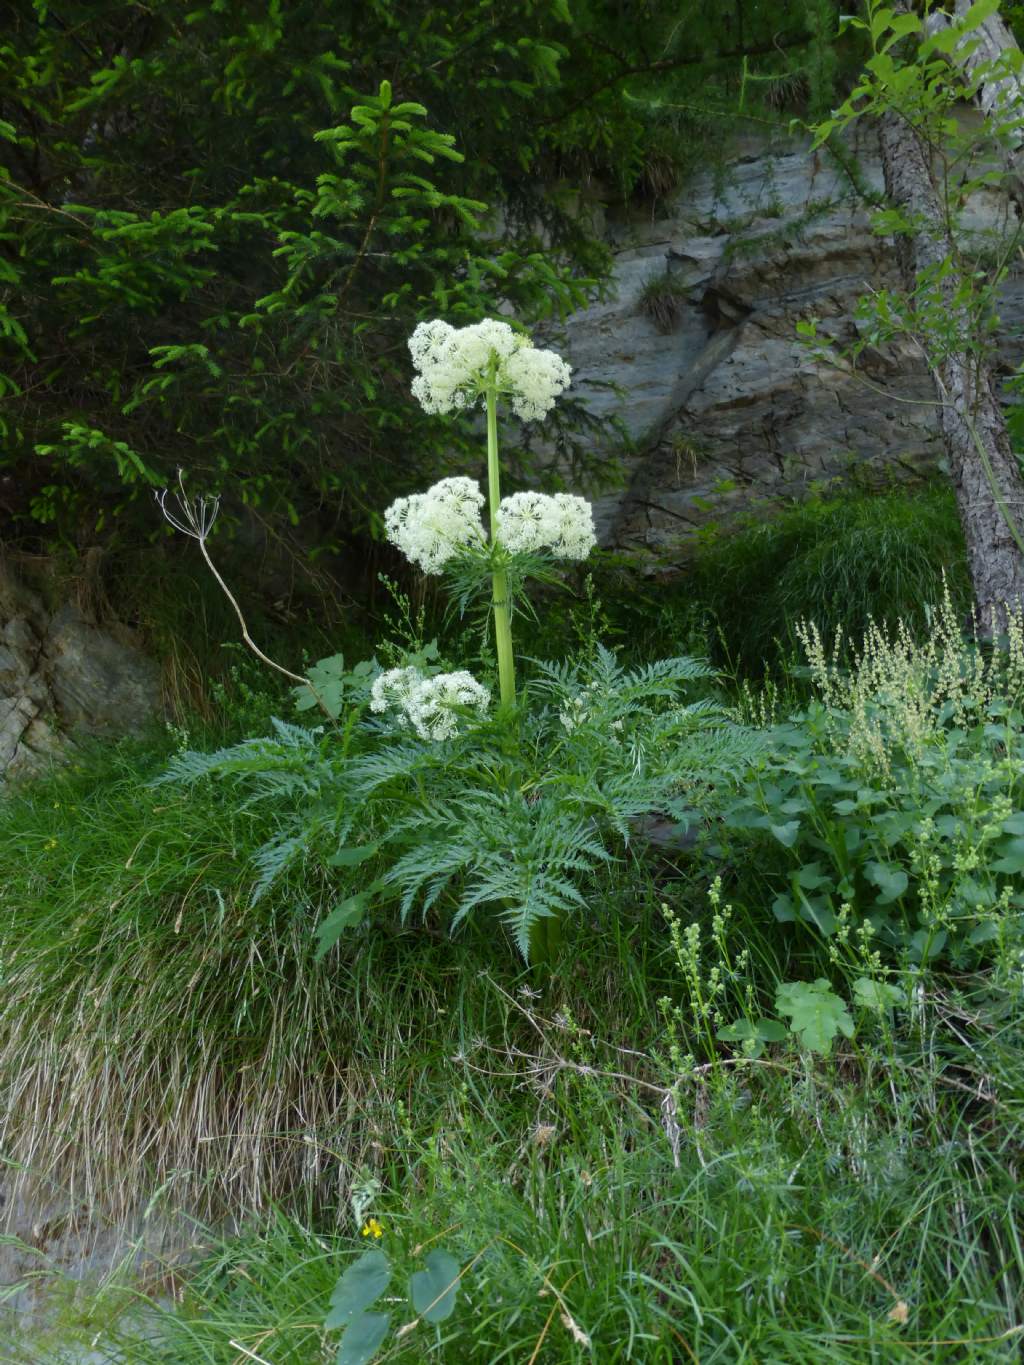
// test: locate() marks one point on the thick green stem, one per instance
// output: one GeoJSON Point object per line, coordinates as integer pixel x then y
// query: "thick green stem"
{"type": "Point", "coordinates": [545, 941]}
{"type": "Point", "coordinates": [501, 604]}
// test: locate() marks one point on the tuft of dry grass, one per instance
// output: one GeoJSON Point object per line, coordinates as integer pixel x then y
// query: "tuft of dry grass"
{"type": "Point", "coordinates": [160, 1032]}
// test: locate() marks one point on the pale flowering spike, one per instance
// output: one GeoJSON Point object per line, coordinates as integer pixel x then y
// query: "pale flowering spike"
{"type": "Point", "coordinates": [455, 365]}
{"type": "Point", "coordinates": [563, 525]}
{"type": "Point", "coordinates": [431, 706]}
{"type": "Point", "coordinates": [430, 528]}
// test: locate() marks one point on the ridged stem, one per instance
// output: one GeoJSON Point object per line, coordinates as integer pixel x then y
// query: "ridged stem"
{"type": "Point", "coordinates": [501, 604]}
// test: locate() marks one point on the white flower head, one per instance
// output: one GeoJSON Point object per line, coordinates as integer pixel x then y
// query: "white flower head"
{"type": "Point", "coordinates": [434, 706]}
{"type": "Point", "coordinates": [562, 524]}
{"type": "Point", "coordinates": [393, 688]}
{"type": "Point", "coordinates": [431, 706]}
{"type": "Point", "coordinates": [455, 365]}
{"type": "Point", "coordinates": [575, 536]}
{"type": "Point", "coordinates": [430, 528]}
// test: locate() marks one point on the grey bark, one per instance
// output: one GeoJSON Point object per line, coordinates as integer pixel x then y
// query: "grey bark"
{"type": "Point", "coordinates": [990, 501]}
{"type": "Point", "coordinates": [999, 96]}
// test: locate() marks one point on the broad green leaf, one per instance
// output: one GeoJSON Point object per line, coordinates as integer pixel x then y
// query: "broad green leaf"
{"type": "Point", "coordinates": [787, 833]}
{"type": "Point", "coordinates": [984, 932]}
{"type": "Point", "coordinates": [783, 909]}
{"type": "Point", "coordinates": [344, 916]}
{"type": "Point", "coordinates": [352, 857]}
{"type": "Point", "coordinates": [810, 877]}
{"type": "Point", "coordinates": [926, 944]}
{"type": "Point", "coordinates": [880, 21]}
{"type": "Point", "coordinates": [434, 1288]}
{"type": "Point", "coordinates": [765, 1030]}
{"type": "Point", "coordinates": [363, 1338]}
{"type": "Point", "coordinates": [815, 1013]}
{"type": "Point", "coordinates": [737, 1032]}
{"type": "Point", "coordinates": [817, 912]}
{"type": "Point", "coordinates": [327, 677]}
{"type": "Point", "coordinates": [1011, 860]}
{"type": "Point", "coordinates": [977, 14]}
{"type": "Point", "coordinates": [901, 25]}
{"type": "Point", "coordinates": [877, 995]}
{"type": "Point", "coordinates": [891, 881]}
{"type": "Point", "coordinates": [943, 40]}
{"type": "Point", "coordinates": [361, 1285]}
{"type": "Point", "coordinates": [1015, 824]}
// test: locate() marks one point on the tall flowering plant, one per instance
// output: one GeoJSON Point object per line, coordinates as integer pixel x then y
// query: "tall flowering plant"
{"type": "Point", "coordinates": [407, 798]}
{"type": "Point", "coordinates": [464, 367]}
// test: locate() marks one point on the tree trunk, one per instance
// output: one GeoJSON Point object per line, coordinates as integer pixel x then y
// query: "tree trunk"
{"type": "Point", "coordinates": [1000, 97]}
{"type": "Point", "coordinates": [986, 477]}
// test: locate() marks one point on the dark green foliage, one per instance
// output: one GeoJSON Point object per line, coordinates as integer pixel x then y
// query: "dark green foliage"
{"type": "Point", "coordinates": [593, 1158]}
{"type": "Point", "coordinates": [893, 806]}
{"type": "Point", "coordinates": [839, 562]}
{"type": "Point", "coordinates": [516, 818]}
{"type": "Point", "coordinates": [217, 228]}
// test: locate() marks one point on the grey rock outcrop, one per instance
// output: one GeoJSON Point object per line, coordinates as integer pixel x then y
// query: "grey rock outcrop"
{"type": "Point", "coordinates": [725, 405]}
{"type": "Point", "coordinates": [62, 675]}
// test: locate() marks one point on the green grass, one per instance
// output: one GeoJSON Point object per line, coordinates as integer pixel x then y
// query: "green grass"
{"type": "Point", "coordinates": [809, 1207]}
{"type": "Point", "coordinates": [161, 1035]}
{"type": "Point", "coordinates": [160, 1032]}
{"type": "Point", "coordinates": [840, 562]}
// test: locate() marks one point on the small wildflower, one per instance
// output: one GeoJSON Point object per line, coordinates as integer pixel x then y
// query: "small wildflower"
{"type": "Point", "coordinates": [371, 1228]}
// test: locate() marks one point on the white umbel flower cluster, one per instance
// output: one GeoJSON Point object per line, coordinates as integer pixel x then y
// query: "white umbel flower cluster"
{"type": "Point", "coordinates": [563, 524]}
{"type": "Point", "coordinates": [430, 705]}
{"type": "Point", "coordinates": [391, 690]}
{"type": "Point", "coordinates": [429, 528]}
{"type": "Point", "coordinates": [455, 365]}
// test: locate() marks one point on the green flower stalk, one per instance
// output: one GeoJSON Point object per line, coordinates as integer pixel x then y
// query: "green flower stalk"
{"type": "Point", "coordinates": [501, 605]}
{"type": "Point", "coordinates": [459, 366]}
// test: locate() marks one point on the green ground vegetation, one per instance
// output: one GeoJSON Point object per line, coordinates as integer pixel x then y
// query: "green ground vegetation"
{"type": "Point", "coordinates": [763, 1103]}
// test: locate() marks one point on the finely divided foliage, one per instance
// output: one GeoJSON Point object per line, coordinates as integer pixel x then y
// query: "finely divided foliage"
{"type": "Point", "coordinates": [519, 815]}
{"type": "Point", "coordinates": [469, 820]}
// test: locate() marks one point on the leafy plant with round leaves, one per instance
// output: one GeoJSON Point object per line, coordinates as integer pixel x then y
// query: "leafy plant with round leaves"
{"type": "Point", "coordinates": [432, 1295]}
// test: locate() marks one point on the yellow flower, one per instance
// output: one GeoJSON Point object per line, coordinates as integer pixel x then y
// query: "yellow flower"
{"type": "Point", "coordinates": [371, 1228]}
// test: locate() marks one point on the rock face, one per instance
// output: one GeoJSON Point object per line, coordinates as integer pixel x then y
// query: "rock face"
{"type": "Point", "coordinates": [61, 675]}
{"type": "Point", "coordinates": [726, 407]}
